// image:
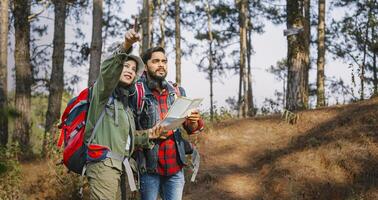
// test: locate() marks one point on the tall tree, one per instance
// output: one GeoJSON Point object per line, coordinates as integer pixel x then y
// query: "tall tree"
{"type": "Point", "coordinates": [178, 41]}
{"type": "Point", "coordinates": [321, 54]}
{"type": "Point", "coordinates": [243, 5]}
{"type": "Point", "coordinates": [251, 111]}
{"type": "Point", "coordinates": [56, 84]}
{"type": "Point", "coordinates": [307, 43]}
{"type": "Point", "coordinates": [255, 9]}
{"type": "Point", "coordinates": [23, 74]}
{"type": "Point", "coordinates": [210, 22]}
{"type": "Point", "coordinates": [162, 12]}
{"type": "Point", "coordinates": [146, 25]}
{"type": "Point", "coordinates": [280, 74]}
{"type": "Point", "coordinates": [96, 43]}
{"type": "Point", "coordinates": [4, 6]}
{"type": "Point", "coordinates": [375, 74]}
{"type": "Point", "coordinates": [351, 38]}
{"type": "Point", "coordinates": [211, 68]}
{"type": "Point", "coordinates": [363, 65]}
{"type": "Point", "coordinates": [297, 57]}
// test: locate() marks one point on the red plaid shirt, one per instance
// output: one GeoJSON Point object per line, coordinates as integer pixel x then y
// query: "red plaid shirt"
{"type": "Point", "coordinates": [168, 163]}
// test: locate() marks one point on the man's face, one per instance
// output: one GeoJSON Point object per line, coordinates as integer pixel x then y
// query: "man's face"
{"type": "Point", "coordinates": [128, 73]}
{"type": "Point", "coordinates": [157, 66]}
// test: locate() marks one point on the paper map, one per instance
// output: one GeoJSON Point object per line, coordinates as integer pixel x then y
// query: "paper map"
{"type": "Point", "coordinates": [180, 108]}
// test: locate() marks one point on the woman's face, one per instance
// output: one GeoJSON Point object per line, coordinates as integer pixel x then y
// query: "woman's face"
{"type": "Point", "coordinates": [128, 73]}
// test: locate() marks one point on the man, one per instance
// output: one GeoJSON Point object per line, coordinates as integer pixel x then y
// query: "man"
{"type": "Point", "coordinates": [161, 167]}
{"type": "Point", "coordinates": [111, 119]}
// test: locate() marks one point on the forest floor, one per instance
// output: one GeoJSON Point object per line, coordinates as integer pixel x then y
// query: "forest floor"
{"type": "Point", "coordinates": [330, 153]}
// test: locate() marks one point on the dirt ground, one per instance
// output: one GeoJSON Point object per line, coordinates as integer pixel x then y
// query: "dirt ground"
{"type": "Point", "coordinates": [330, 153]}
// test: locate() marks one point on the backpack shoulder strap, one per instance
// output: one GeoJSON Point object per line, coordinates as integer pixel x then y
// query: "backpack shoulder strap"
{"type": "Point", "coordinates": [98, 122]}
{"type": "Point", "coordinates": [140, 92]}
{"type": "Point", "coordinates": [177, 89]}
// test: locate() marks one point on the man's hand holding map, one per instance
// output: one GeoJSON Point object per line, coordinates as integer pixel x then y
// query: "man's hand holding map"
{"type": "Point", "coordinates": [178, 112]}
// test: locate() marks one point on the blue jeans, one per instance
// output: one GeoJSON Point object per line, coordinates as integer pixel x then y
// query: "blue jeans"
{"type": "Point", "coordinates": [170, 187]}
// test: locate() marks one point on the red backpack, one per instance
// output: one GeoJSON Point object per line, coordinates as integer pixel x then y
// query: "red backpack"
{"type": "Point", "coordinates": [76, 153]}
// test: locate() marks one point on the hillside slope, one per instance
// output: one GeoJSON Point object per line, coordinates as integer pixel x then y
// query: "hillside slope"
{"type": "Point", "coordinates": [330, 153]}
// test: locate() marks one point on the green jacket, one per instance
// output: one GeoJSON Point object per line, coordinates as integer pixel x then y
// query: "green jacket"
{"type": "Point", "coordinates": [117, 129]}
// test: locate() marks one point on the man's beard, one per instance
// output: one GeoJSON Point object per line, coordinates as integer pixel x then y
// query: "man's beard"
{"type": "Point", "coordinates": [155, 77]}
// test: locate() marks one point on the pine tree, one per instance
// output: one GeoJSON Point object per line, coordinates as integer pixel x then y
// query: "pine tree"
{"type": "Point", "coordinates": [298, 54]}
{"type": "Point", "coordinates": [56, 84]}
{"type": "Point", "coordinates": [353, 39]}
{"type": "Point", "coordinates": [96, 44]}
{"type": "Point", "coordinates": [178, 41]}
{"type": "Point", "coordinates": [23, 74]}
{"type": "Point", "coordinates": [4, 6]}
{"type": "Point", "coordinates": [243, 108]}
{"type": "Point", "coordinates": [146, 21]}
{"type": "Point", "coordinates": [321, 55]}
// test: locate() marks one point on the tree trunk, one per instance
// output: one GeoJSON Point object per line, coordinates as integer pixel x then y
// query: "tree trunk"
{"type": "Point", "coordinates": [178, 41]}
{"type": "Point", "coordinates": [307, 41]}
{"type": "Point", "coordinates": [297, 57]}
{"type": "Point", "coordinates": [284, 93]}
{"type": "Point", "coordinates": [146, 25]}
{"type": "Point", "coordinates": [240, 100]}
{"type": "Point", "coordinates": [23, 74]}
{"type": "Point", "coordinates": [363, 64]}
{"type": "Point", "coordinates": [243, 48]}
{"type": "Point", "coordinates": [162, 4]}
{"type": "Point", "coordinates": [211, 69]}
{"type": "Point", "coordinates": [56, 84]}
{"type": "Point", "coordinates": [96, 43]}
{"type": "Point", "coordinates": [4, 6]}
{"type": "Point", "coordinates": [107, 17]}
{"type": "Point", "coordinates": [375, 78]}
{"type": "Point", "coordinates": [321, 55]}
{"type": "Point", "coordinates": [251, 111]}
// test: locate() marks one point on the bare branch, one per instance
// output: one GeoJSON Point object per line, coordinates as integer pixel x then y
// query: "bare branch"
{"type": "Point", "coordinates": [35, 15]}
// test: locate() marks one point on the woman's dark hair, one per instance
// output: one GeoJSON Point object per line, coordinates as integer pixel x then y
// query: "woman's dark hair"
{"type": "Point", "coordinates": [147, 55]}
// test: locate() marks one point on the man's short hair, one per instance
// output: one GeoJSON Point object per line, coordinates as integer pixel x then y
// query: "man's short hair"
{"type": "Point", "coordinates": [148, 54]}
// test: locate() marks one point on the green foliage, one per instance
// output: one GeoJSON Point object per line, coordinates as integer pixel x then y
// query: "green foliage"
{"type": "Point", "coordinates": [220, 114]}
{"type": "Point", "coordinates": [8, 112]}
{"type": "Point", "coordinates": [353, 38]}
{"type": "Point", "coordinates": [38, 117]}
{"type": "Point", "coordinates": [9, 173]}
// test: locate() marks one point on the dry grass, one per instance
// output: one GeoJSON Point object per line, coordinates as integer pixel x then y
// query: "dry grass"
{"type": "Point", "coordinates": [330, 153]}
{"type": "Point", "coordinates": [46, 180]}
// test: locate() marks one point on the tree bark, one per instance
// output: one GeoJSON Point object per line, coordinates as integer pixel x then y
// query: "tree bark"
{"type": "Point", "coordinates": [23, 74]}
{"type": "Point", "coordinates": [211, 69]}
{"type": "Point", "coordinates": [243, 47]}
{"type": "Point", "coordinates": [240, 100]}
{"type": "Point", "coordinates": [363, 64]}
{"type": "Point", "coordinates": [297, 57]}
{"type": "Point", "coordinates": [375, 77]}
{"type": "Point", "coordinates": [4, 6]}
{"type": "Point", "coordinates": [56, 85]}
{"type": "Point", "coordinates": [146, 25]}
{"type": "Point", "coordinates": [96, 43]}
{"type": "Point", "coordinates": [178, 41]}
{"type": "Point", "coordinates": [251, 111]}
{"type": "Point", "coordinates": [307, 41]}
{"type": "Point", "coordinates": [162, 17]}
{"type": "Point", "coordinates": [321, 55]}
